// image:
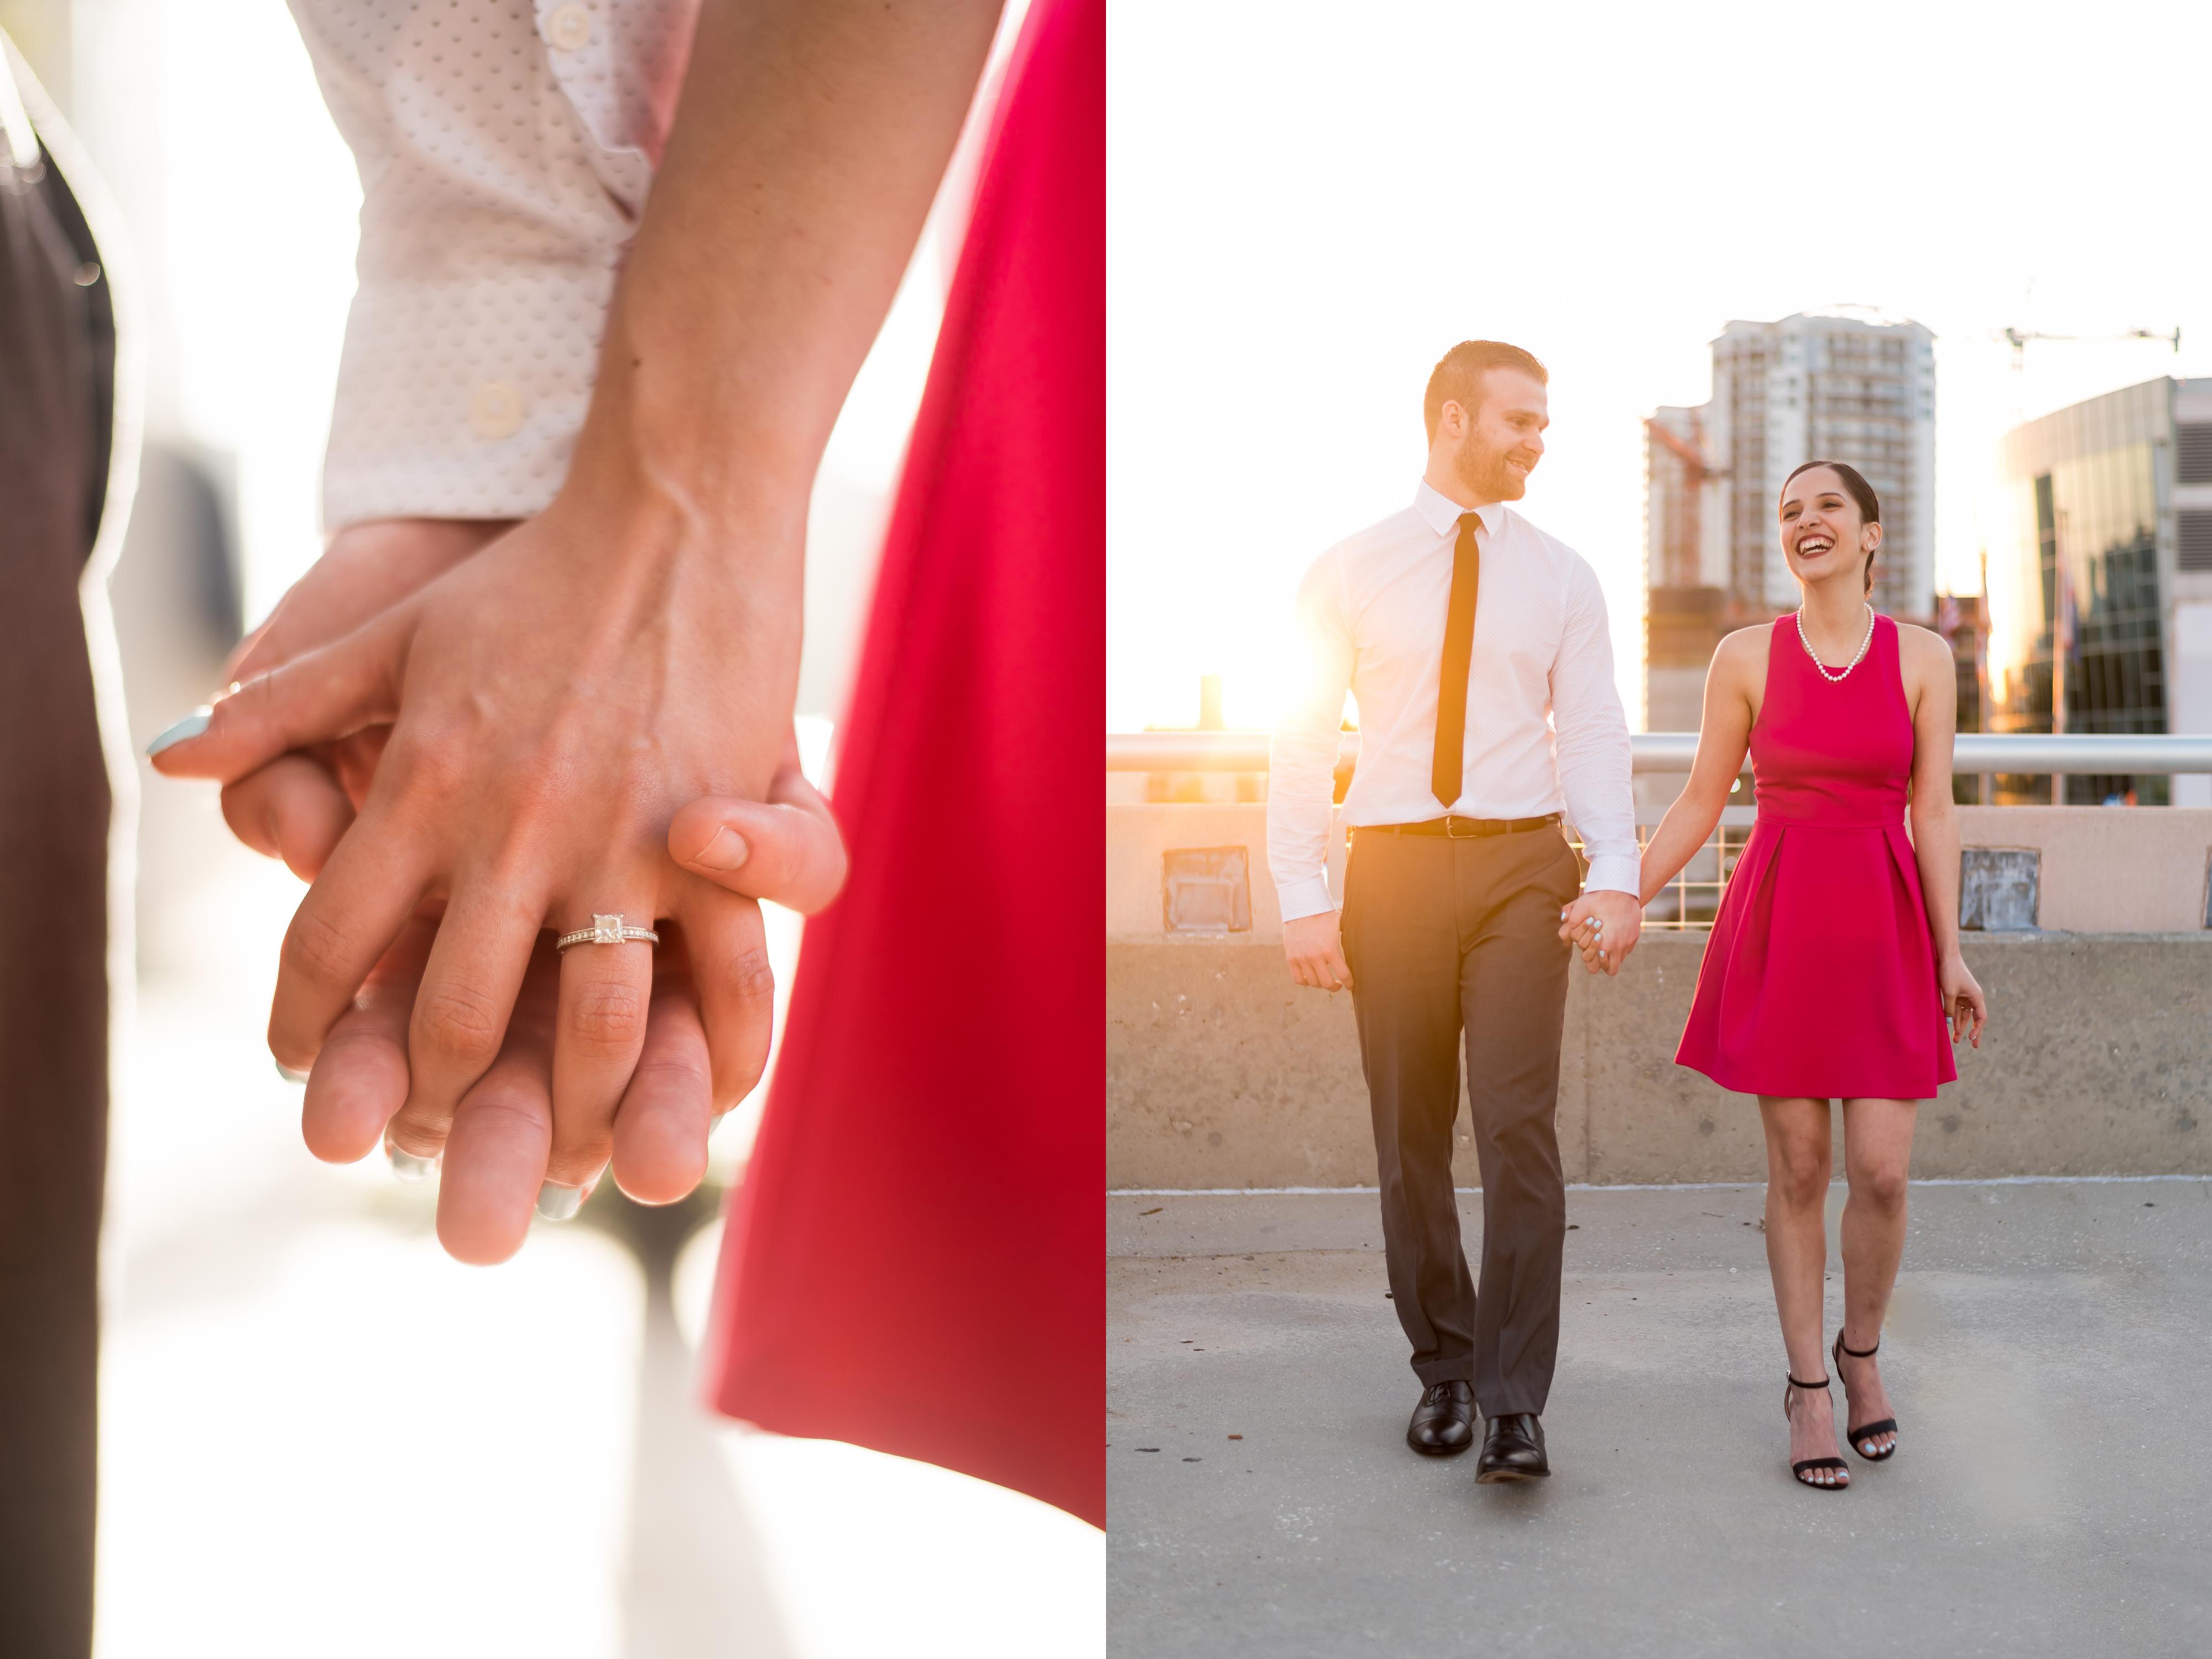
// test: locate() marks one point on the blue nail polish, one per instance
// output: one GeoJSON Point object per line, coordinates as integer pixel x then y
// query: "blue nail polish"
{"type": "Point", "coordinates": [190, 726]}
{"type": "Point", "coordinates": [557, 1203]}
{"type": "Point", "coordinates": [288, 1074]}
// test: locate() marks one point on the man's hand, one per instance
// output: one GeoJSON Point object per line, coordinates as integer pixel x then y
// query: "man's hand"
{"type": "Point", "coordinates": [1314, 947]}
{"type": "Point", "coordinates": [297, 806]}
{"type": "Point", "coordinates": [1604, 926]}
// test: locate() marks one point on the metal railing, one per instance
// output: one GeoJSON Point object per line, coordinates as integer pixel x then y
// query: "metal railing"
{"type": "Point", "coordinates": [2026, 754]}
{"type": "Point", "coordinates": [1692, 898]}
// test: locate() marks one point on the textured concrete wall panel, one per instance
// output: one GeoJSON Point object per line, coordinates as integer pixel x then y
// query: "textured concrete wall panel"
{"type": "Point", "coordinates": [1220, 1073]}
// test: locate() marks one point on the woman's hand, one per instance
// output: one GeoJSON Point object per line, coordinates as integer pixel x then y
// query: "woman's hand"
{"type": "Point", "coordinates": [1963, 1004]}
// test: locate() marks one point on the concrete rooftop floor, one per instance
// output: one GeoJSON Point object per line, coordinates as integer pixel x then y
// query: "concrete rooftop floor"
{"type": "Point", "coordinates": [2046, 1351]}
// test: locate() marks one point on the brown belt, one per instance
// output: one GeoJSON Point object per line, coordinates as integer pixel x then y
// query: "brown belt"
{"type": "Point", "coordinates": [1457, 828]}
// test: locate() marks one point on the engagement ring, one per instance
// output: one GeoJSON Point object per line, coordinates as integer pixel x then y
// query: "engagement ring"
{"type": "Point", "coordinates": [607, 930]}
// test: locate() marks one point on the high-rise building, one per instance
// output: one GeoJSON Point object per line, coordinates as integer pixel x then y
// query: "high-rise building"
{"type": "Point", "coordinates": [1827, 388]}
{"type": "Point", "coordinates": [2100, 578]}
{"type": "Point", "coordinates": [1805, 388]}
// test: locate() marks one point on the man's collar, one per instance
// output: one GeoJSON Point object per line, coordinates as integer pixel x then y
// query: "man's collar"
{"type": "Point", "coordinates": [1442, 514]}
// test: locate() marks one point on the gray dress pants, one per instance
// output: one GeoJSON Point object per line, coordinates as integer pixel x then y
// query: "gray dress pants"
{"type": "Point", "coordinates": [57, 386]}
{"type": "Point", "coordinates": [1446, 939]}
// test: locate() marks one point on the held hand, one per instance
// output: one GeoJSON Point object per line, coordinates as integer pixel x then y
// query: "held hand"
{"type": "Point", "coordinates": [1604, 926]}
{"type": "Point", "coordinates": [1314, 948]}
{"type": "Point", "coordinates": [1964, 1006]}
{"type": "Point", "coordinates": [565, 691]}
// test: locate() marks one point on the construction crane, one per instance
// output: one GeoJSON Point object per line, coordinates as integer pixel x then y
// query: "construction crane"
{"type": "Point", "coordinates": [2017, 338]}
{"type": "Point", "coordinates": [1696, 471]}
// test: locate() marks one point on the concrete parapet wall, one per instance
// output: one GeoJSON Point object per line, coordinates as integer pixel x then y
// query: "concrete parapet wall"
{"type": "Point", "coordinates": [2104, 869]}
{"type": "Point", "coordinates": [1220, 1073]}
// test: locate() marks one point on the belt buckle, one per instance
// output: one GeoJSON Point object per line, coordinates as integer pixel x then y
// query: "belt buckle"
{"type": "Point", "coordinates": [1451, 833]}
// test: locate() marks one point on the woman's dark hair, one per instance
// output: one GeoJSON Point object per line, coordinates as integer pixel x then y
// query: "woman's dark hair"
{"type": "Point", "coordinates": [1857, 487]}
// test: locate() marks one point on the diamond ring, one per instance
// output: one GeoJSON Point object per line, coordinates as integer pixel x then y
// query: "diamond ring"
{"type": "Point", "coordinates": [606, 930]}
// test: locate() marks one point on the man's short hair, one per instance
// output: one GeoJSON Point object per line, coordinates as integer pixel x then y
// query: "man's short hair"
{"type": "Point", "coordinates": [1457, 377]}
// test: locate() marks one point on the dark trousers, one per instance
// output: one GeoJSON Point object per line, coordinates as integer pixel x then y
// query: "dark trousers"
{"type": "Point", "coordinates": [57, 366]}
{"type": "Point", "coordinates": [1449, 938]}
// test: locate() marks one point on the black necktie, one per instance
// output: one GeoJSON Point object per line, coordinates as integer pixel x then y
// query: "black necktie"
{"type": "Point", "coordinates": [1458, 651]}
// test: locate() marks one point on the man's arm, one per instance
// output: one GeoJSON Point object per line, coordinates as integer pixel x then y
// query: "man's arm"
{"type": "Point", "coordinates": [1593, 757]}
{"type": "Point", "coordinates": [1301, 780]}
{"type": "Point", "coordinates": [636, 646]}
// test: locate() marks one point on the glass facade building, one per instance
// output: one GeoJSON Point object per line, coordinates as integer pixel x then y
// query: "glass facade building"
{"type": "Point", "coordinates": [2092, 595]}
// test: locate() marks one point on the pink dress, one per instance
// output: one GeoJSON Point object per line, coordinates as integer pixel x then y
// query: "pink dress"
{"type": "Point", "coordinates": [1819, 980]}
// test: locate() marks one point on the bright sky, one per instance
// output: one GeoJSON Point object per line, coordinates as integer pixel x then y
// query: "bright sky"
{"type": "Point", "coordinates": [1308, 203]}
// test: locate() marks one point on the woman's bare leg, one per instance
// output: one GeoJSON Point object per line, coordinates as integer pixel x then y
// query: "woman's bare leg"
{"type": "Point", "coordinates": [1877, 1155]}
{"type": "Point", "coordinates": [1797, 1257]}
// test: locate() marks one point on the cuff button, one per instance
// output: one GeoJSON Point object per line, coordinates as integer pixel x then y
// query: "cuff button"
{"type": "Point", "coordinates": [570, 27]}
{"type": "Point", "coordinates": [495, 410]}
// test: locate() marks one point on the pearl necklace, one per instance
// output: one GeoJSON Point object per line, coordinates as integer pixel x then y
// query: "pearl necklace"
{"type": "Point", "coordinates": [1843, 673]}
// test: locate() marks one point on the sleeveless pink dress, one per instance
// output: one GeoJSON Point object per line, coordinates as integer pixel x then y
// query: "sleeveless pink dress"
{"type": "Point", "coordinates": [1820, 978]}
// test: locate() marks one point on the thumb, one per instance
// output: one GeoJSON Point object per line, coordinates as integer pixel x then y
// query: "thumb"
{"type": "Point", "coordinates": [787, 853]}
{"type": "Point", "coordinates": [320, 697]}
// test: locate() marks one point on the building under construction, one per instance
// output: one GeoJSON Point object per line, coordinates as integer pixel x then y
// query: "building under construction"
{"type": "Point", "coordinates": [1804, 388]}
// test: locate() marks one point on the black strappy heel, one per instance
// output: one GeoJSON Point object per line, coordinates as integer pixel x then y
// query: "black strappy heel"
{"type": "Point", "coordinates": [1865, 1430]}
{"type": "Point", "coordinates": [1799, 1467]}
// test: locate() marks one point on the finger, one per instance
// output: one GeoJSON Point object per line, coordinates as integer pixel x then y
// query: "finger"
{"type": "Point", "coordinates": [501, 1134]}
{"type": "Point", "coordinates": [668, 1110]}
{"type": "Point", "coordinates": [350, 917]}
{"type": "Point", "coordinates": [325, 695]}
{"type": "Point", "coordinates": [471, 985]}
{"type": "Point", "coordinates": [789, 854]}
{"type": "Point", "coordinates": [360, 1078]}
{"type": "Point", "coordinates": [1339, 969]}
{"type": "Point", "coordinates": [736, 987]}
{"type": "Point", "coordinates": [292, 809]}
{"type": "Point", "coordinates": [597, 1039]}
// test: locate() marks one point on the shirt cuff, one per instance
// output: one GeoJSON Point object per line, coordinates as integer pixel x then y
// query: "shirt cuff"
{"type": "Point", "coordinates": [461, 398]}
{"type": "Point", "coordinates": [1614, 872]}
{"type": "Point", "coordinates": [1309, 897]}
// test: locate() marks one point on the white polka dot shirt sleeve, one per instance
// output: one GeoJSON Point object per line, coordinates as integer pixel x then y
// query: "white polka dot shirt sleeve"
{"type": "Point", "coordinates": [506, 148]}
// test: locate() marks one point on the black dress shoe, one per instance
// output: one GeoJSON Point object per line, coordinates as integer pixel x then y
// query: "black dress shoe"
{"type": "Point", "coordinates": [1444, 1423]}
{"type": "Point", "coordinates": [1513, 1450]}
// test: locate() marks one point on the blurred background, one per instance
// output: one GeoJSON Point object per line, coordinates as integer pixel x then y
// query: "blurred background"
{"type": "Point", "coordinates": [320, 1435]}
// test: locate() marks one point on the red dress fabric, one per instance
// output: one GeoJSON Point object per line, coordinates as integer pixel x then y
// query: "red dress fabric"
{"type": "Point", "coordinates": [914, 1261]}
{"type": "Point", "coordinates": [1819, 980]}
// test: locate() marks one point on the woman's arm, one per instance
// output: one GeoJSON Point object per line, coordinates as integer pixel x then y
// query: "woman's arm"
{"type": "Point", "coordinates": [1722, 739]}
{"type": "Point", "coordinates": [1932, 686]}
{"type": "Point", "coordinates": [1934, 822]}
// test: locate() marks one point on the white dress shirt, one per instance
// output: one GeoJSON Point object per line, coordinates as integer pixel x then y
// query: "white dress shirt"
{"type": "Point", "coordinates": [1545, 729]}
{"type": "Point", "coordinates": [506, 147]}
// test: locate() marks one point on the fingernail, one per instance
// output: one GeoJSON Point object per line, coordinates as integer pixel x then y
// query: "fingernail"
{"type": "Point", "coordinates": [557, 1203]}
{"type": "Point", "coordinates": [408, 1167]}
{"type": "Point", "coordinates": [288, 1074]}
{"type": "Point", "coordinates": [726, 852]}
{"type": "Point", "coordinates": [190, 726]}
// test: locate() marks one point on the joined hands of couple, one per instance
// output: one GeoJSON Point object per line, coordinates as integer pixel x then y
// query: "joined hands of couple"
{"type": "Point", "coordinates": [469, 736]}
{"type": "Point", "coordinates": [1603, 925]}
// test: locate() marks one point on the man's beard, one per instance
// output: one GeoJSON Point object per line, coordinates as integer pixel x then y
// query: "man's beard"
{"type": "Point", "coordinates": [1485, 473]}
